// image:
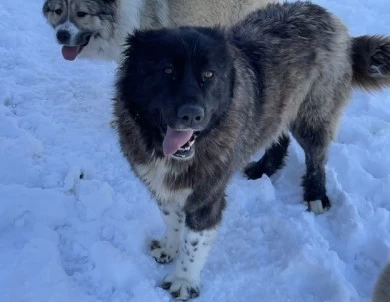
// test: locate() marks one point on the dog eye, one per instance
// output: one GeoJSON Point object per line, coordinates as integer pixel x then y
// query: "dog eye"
{"type": "Point", "coordinates": [208, 74]}
{"type": "Point", "coordinates": [168, 70]}
{"type": "Point", "coordinates": [81, 14]}
{"type": "Point", "coordinates": [58, 11]}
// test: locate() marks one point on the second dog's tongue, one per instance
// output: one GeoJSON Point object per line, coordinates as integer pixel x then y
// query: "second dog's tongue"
{"type": "Point", "coordinates": [70, 52]}
{"type": "Point", "coordinates": [174, 139]}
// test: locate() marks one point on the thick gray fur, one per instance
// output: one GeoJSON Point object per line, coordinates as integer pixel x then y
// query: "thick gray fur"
{"type": "Point", "coordinates": [294, 68]}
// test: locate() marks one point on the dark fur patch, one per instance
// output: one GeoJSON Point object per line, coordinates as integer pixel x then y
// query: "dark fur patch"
{"type": "Point", "coordinates": [272, 160]}
{"type": "Point", "coordinates": [166, 285]}
{"type": "Point", "coordinates": [155, 244]}
{"type": "Point", "coordinates": [371, 62]}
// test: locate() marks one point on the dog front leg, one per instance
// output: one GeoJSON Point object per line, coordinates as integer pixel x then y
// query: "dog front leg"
{"type": "Point", "coordinates": [165, 250]}
{"type": "Point", "coordinates": [200, 230]}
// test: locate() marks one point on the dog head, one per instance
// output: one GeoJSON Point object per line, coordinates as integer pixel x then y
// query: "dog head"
{"type": "Point", "coordinates": [78, 22]}
{"type": "Point", "coordinates": [178, 80]}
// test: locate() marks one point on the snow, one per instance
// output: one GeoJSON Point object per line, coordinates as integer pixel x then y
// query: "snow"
{"type": "Point", "coordinates": [74, 221]}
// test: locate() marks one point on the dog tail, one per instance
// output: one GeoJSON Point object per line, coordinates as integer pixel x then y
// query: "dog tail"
{"type": "Point", "coordinates": [371, 62]}
{"type": "Point", "coordinates": [382, 286]}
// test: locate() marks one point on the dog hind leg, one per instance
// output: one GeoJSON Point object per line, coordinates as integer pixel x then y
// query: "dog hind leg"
{"type": "Point", "coordinates": [315, 179]}
{"type": "Point", "coordinates": [313, 131]}
{"type": "Point", "coordinates": [316, 125]}
{"type": "Point", "coordinates": [272, 160]}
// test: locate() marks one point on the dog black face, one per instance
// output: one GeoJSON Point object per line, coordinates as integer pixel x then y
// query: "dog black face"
{"type": "Point", "coordinates": [177, 82]}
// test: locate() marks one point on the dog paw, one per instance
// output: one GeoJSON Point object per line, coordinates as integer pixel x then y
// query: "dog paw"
{"type": "Point", "coordinates": [318, 206]}
{"type": "Point", "coordinates": [180, 289]}
{"type": "Point", "coordinates": [253, 170]}
{"type": "Point", "coordinates": [160, 253]}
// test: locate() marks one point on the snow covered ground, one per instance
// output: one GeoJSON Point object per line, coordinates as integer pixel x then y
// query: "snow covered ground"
{"type": "Point", "coordinates": [74, 222]}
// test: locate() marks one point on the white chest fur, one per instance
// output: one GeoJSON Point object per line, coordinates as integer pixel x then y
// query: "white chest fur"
{"type": "Point", "coordinates": [154, 175]}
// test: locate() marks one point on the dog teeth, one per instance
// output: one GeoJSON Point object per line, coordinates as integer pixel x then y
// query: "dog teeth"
{"type": "Point", "coordinates": [188, 145]}
{"type": "Point", "coordinates": [187, 148]}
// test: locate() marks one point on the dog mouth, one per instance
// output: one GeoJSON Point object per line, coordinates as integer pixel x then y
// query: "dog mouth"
{"type": "Point", "coordinates": [70, 53]}
{"type": "Point", "coordinates": [187, 150]}
{"type": "Point", "coordinates": [179, 143]}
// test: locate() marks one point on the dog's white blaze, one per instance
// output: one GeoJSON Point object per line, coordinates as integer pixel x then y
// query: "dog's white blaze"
{"type": "Point", "coordinates": [154, 176]}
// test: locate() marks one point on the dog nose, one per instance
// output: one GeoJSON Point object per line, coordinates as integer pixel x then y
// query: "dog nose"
{"type": "Point", "coordinates": [191, 115]}
{"type": "Point", "coordinates": [63, 36]}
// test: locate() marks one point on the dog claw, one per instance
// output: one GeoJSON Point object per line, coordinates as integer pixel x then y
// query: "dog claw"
{"type": "Point", "coordinates": [166, 285]}
{"type": "Point", "coordinates": [176, 294]}
{"type": "Point", "coordinates": [180, 289]}
{"type": "Point", "coordinates": [160, 253]}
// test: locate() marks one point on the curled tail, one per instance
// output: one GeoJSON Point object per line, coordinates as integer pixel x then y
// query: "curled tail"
{"type": "Point", "coordinates": [371, 62]}
{"type": "Point", "coordinates": [382, 286]}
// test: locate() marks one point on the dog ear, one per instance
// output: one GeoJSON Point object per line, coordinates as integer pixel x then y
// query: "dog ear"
{"type": "Point", "coordinates": [137, 41]}
{"type": "Point", "coordinates": [146, 37]}
{"type": "Point", "coordinates": [45, 8]}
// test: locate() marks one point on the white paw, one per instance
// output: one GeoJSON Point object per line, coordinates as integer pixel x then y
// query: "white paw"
{"type": "Point", "coordinates": [161, 253]}
{"type": "Point", "coordinates": [315, 206]}
{"type": "Point", "coordinates": [180, 288]}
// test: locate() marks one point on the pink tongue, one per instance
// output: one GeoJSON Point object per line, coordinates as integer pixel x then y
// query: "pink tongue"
{"type": "Point", "coordinates": [174, 139]}
{"type": "Point", "coordinates": [70, 52]}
